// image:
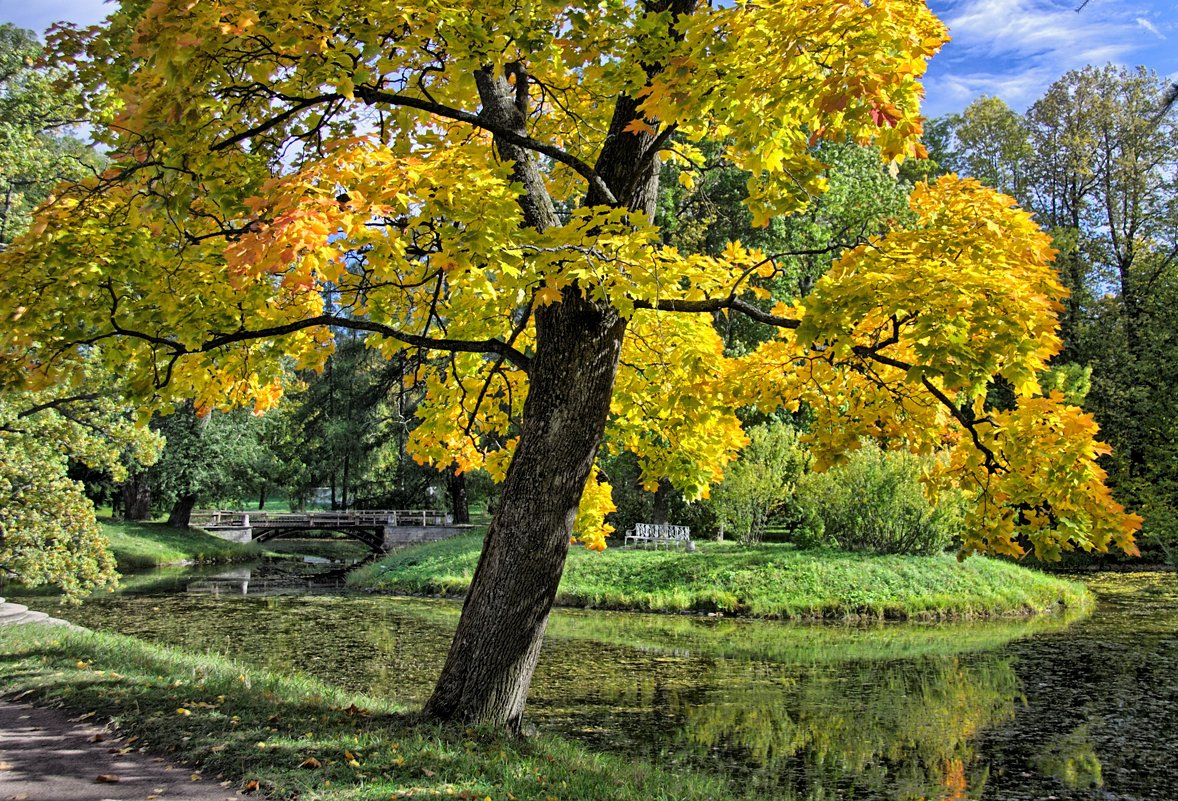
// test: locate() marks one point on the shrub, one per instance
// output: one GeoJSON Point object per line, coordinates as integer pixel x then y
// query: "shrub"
{"type": "Point", "coordinates": [760, 484]}
{"type": "Point", "coordinates": [876, 502]}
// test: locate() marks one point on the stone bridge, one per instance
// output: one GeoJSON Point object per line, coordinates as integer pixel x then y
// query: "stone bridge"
{"type": "Point", "coordinates": [380, 529]}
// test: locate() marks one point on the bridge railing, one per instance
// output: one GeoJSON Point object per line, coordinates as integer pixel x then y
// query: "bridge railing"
{"type": "Point", "coordinates": [219, 518]}
{"type": "Point", "coordinates": [332, 519]}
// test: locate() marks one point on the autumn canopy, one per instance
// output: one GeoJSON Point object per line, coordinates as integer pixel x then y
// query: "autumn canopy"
{"type": "Point", "coordinates": [477, 182]}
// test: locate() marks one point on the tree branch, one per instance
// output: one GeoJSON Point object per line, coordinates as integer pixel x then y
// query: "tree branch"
{"type": "Point", "coordinates": [372, 96]}
{"type": "Point", "coordinates": [719, 304]}
{"type": "Point", "coordinates": [216, 341]}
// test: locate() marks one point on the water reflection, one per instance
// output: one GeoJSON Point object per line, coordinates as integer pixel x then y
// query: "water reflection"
{"type": "Point", "coordinates": [308, 574]}
{"type": "Point", "coordinates": [1002, 710]}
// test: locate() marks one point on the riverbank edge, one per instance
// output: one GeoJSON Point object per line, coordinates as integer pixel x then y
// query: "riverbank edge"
{"type": "Point", "coordinates": [774, 582]}
{"type": "Point", "coordinates": [143, 545]}
{"type": "Point", "coordinates": [291, 736]}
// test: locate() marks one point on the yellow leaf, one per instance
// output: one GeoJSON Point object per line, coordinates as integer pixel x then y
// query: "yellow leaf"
{"type": "Point", "coordinates": [547, 294]}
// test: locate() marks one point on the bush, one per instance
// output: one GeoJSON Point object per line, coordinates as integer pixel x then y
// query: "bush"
{"type": "Point", "coordinates": [876, 502]}
{"type": "Point", "coordinates": [759, 486]}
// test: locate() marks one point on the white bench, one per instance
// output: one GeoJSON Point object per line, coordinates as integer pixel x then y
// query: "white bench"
{"type": "Point", "coordinates": [660, 534]}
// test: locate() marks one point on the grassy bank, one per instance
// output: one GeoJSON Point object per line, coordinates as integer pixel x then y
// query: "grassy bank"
{"type": "Point", "coordinates": [772, 580]}
{"type": "Point", "coordinates": [138, 546]}
{"type": "Point", "coordinates": [296, 737]}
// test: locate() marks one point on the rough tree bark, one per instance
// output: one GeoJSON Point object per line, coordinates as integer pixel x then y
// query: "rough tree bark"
{"type": "Point", "coordinates": [136, 497]}
{"type": "Point", "coordinates": [490, 664]}
{"type": "Point", "coordinates": [570, 382]}
{"type": "Point", "coordinates": [181, 514]}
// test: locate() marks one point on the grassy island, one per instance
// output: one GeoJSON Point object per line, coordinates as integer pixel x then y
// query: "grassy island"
{"type": "Point", "coordinates": [288, 737]}
{"type": "Point", "coordinates": [771, 580]}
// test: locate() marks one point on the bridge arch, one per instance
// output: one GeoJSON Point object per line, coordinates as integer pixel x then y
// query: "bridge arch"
{"type": "Point", "coordinates": [372, 537]}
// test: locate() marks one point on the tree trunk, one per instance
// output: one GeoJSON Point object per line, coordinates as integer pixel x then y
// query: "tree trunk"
{"type": "Point", "coordinates": [498, 639]}
{"type": "Point", "coordinates": [459, 503]}
{"type": "Point", "coordinates": [136, 497]}
{"type": "Point", "coordinates": [662, 499]}
{"type": "Point", "coordinates": [262, 498]}
{"type": "Point", "coordinates": [570, 382]}
{"type": "Point", "coordinates": [181, 513]}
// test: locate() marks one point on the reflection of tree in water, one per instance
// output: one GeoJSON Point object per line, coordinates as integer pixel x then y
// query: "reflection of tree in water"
{"type": "Point", "coordinates": [886, 729]}
{"type": "Point", "coordinates": [789, 712]}
{"type": "Point", "coordinates": [1071, 758]}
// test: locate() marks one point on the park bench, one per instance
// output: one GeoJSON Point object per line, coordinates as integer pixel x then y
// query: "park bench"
{"type": "Point", "coordinates": [659, 535]}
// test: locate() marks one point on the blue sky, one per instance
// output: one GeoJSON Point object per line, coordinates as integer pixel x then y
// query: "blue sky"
{"type": "Point", "coordinates": [1013, 49]}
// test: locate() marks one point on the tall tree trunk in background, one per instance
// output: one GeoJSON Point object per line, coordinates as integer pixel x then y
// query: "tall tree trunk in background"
{"type": "Point", "coordinates": [662, 497]}
{"type": "Point", "coordinates": [136, 497]}
{"type": "Point", "coordinates": [181, 513]}
{"type": "Point", "coordinates": [459, 503]}
{"type": "Point", "coordinates": [262, 497]}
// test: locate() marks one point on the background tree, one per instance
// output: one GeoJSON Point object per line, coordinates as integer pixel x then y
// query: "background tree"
{"type": "Point", "coordinates": [48, 531]}
{"type": "Point", "coordinates": [480, 182]}
{"type": "Point", "coordinates": [36, 148]}
{"type": "Point", "coordinates": [1100, 172]}
{"type": "Point", "coordinates": [993, 145]}
{"type": "Point", "coordinates": [209, 458]}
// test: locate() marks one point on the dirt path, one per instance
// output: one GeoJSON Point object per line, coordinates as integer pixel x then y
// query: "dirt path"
{"type": "Point", "coordinates": [47, 755]}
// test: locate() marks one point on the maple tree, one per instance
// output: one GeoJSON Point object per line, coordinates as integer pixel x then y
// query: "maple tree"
{"type": "Point", "coordinates": [478, 182]}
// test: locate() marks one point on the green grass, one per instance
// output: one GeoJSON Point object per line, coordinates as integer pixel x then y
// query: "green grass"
{"type": "Point", "coordinates": [243, 725]}
{"type": "Point", "coordinates": [771, 580]}
{"type": "Point", "coordinates": [138, 546]}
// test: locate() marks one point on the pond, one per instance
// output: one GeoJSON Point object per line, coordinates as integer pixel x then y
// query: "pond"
{"type": "Point", "coordinates": [1011, 709]}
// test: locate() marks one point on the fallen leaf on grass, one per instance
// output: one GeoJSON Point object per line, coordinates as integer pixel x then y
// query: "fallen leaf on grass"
{"type": "Point", "coordinates": [182, 711]}
{"type": "Point", "coordinates": [311, 762]}
{"type": "Point", "coordinates": [107, 778]}
{"type": "Point", "coordinates": [251, 786]}
{"type": "Point", "coordinates": [428, 773]}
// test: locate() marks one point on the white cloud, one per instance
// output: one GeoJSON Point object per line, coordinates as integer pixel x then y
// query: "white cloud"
{"type": "Point", "coordinates": [1016, 89]}
{"type": "Point", "coordinates": [1015, 49]}
{"type": "Point", "coordinates": [1149, 26]}
{"type": "Point", "coordinates": [1048, 33]}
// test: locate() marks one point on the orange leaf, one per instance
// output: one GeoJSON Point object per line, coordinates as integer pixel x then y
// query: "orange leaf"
{"type": "Point", "coordinates": [639, 127]}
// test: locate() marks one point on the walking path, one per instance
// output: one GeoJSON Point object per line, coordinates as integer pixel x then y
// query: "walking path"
{"type": "Point", "coordinates": [47, 755]}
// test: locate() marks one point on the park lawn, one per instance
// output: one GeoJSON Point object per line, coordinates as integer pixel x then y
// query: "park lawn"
{"type": "Point", "coordinates": [139, 546]}
{"type": "Point", "coordinates": [243, 725]}
{"type": "Point", "coordinates": [770, 580]}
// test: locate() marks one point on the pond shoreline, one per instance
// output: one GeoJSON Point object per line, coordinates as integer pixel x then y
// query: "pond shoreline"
{"type": "Point", "coordinates": [851, 618]}
{"type": "Point", "coordinates": [290, 736]}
